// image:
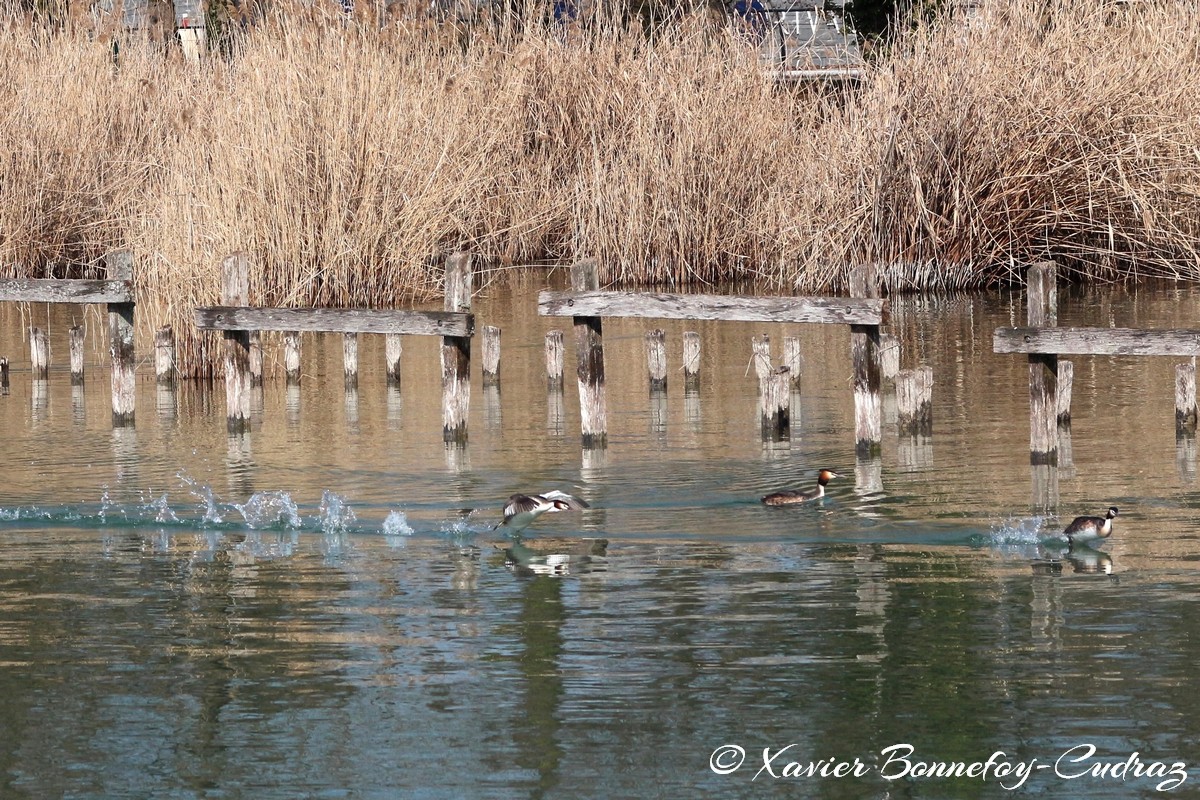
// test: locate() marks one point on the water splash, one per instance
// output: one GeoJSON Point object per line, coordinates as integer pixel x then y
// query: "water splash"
{"type": "Point", "coordinates": [209, 512]}
{"type": "Point", "coordinates": [161, 509]}
{"type": "Point", "coordinates": [273, 509]}
{"type": "Point", "coordinates": [335, 514]}
{"type": "Point", "coordinates": [396, 528]}
{"type": "Point", "coordinates": [1020, 533]}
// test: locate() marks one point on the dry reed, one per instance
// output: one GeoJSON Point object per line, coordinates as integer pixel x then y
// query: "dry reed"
{"type": "Point", "coordinates": [347, 158]}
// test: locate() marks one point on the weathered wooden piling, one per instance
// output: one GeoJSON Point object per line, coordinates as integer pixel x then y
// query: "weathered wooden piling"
{"type": "Point", "coordinates": [656, 359]}
{"type": "Point", "coordinates": [914, 400]}
{"type": "Point", "coordinates": [456, 353]}
{"type": "Point", "coordinates": [291, 357]}
{"type": "Point", "coordinates": [775, 404]}
{"type": "Point", "coordinates": [256, 359]}
{"type": "Point", "coordinates": [864, 352]}
{"type": "Point", "coordinates": [350, 359]}
{"type": "Point", "coordinates": [1040, 297]}
{"type": "Point", "coordinates": [760, 356]}
{"type": "Point", "coordinates": [589, 348]}
{"type": "Point", "coordinates": [39, 353]}
{"type": "Point", "coordinates": [889, 356]}
{"type": "Point", "coordinates": [235, 291]}
{"type": "Point", "coordinates": [120, 338]}
{"type": "Point", "coordinates": [75, 338]}
{"type": "Point", "coordinates": [1066, 383]}
{"type": "Point", "coordinates": [164, 356]}
{"type": "Point", "coordinates": [1185, 397]}
{"type": "Point", "coordinates": [554, 359]}
{"type": "Point", "coordinates": [793, 359]}
{"type": "Point", "coordinates": [491, 355]}
{"type": "Point", "coordinates": [393, 352]}
{"type": "Point", "coordinates": [4, 388]}
{"type": "Point", "coordinates": [691, 361]}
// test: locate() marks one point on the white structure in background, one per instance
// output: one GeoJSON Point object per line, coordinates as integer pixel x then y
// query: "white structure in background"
{"type": "Point", "coordinates": [807, 40]}
{"type": "Point", "coordinates": [190, 25]}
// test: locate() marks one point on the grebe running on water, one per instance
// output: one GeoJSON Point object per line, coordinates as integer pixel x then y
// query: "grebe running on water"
{"type": "Point", "coordinates": [523, 509]}
{"type": "Point", "coordinates": [789, 497]}
{"type": "Point", "coordinates": [1083, 529]}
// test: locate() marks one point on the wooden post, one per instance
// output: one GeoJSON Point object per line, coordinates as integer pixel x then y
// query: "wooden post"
{"type": "Point", "coordinates": [889, 355]}
{"type": "Point", "coordinates": [235, 291]}
{"type": "Point", "coordinates": [914, 400]}
{"type": "Point", "coordinates": [291, 357]}
{"type": "Point", "coordinates": [3, 376]}
{"type": "Point", "coordinates": [393, 349]}
{"type": "Point", "coordinates": [491, 355]}
{"type": "Point", "coordinates": [456, 353]}
{"type": "Point", "coordinates": [1066, 380]}
{"type": "Point", "coordinates": [760, 348]}
{"type": "Point", "coordinates": [1185, 397]}
{"type": "Point", "coordinates": [554, 359]}
{"type": "Point", "coordinates": [589, 348]}
{"type": "Point", "coordinates": [256, 358]}
{"type": "Point", "coordinates": [775, 404]}
{"type": "Point", "coordinates": [1043, 369]}
{"type": "Point", "coordinates": [656, 359]}
{"type": "Point", "coordinates": [350, 359]}
{"type": "Point", "coordinates": [792, 359]}
{"type": "Point", "coordinates": [120, 347]}
{"type": "Point", "coordinates": [75, 336]}
{"type": "Point", "coordinates": [691, 361]}
{"type": "Point", "coordinates": [39, 353]}
{"type": "Point", "coordinates": [864, 352]}
{"type": "Point", "coordinates": [164, 355]}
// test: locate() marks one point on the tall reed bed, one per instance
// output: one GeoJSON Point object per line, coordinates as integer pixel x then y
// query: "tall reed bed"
{"type": "Point", "coordinates": [345, 159]}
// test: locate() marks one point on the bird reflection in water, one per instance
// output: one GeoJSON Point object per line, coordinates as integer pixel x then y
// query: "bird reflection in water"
{"type": "Point", "coordinates": [555, 556]}
{"type": "Point", "coordinates": [1082, 559]}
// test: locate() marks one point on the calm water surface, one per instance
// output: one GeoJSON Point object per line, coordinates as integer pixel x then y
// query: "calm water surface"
{"type": "Point", "coordinates": [321, 609]}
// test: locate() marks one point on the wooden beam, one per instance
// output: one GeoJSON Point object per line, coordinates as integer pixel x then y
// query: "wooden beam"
{"type": "Point", "coordinates": [52, 290]}
{"type": "Point", "coordinates": [335, 320]}
{"type": "Point", "coordinates": [654, 305]}
{"type": "Point", "coordinates": [1097, 341]}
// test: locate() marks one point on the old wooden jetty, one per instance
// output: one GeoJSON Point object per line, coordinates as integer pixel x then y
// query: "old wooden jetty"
{"type": "Point", "coordinates": [1049, 379]}
{"type": "Point", "coordinates": [587, 306]}
{"type": "Point", "coordinates": [115, 292]}
{"type": "Point", "coordinates": [455, 324]}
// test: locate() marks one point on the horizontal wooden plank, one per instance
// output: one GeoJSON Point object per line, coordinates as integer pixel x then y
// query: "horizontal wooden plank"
{"type": "Point", "coordinates": [654, 305]}
{"type": "Point", "coordinates": [1097, 341]}
{"type": "Point", "coordinates": [335, 320]}
{"type": "Point", "coordinates": [53, 290]}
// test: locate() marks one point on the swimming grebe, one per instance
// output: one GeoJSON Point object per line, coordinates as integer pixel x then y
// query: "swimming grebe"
{"type": "Point", "coordinates": [523, 509]}
{"type": "Point", "coordinates": [788, 498]}
{"type": "Point", "coordinates": [1084, 529]}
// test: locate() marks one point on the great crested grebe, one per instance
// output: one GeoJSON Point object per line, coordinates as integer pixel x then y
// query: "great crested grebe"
{"type": "Point", "coordinates": [523, 509]}
{"type": "Point", "coordinates": [787, 498]}
{"type": "Point", "coordinates": [1084, 529]}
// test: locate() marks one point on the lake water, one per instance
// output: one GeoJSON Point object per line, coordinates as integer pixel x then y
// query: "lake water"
{"type": "Point", "coordinates": [321, 609]}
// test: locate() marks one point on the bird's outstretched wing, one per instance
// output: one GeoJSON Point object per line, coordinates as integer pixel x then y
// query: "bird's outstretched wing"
{"type": "Point", "coordinates": [520, 504]}
{"type": "Point", "coordinates": [573, 503]}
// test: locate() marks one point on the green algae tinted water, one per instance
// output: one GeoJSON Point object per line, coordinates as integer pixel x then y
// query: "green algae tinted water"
{"type": "Point", "coordinates": [322, 609]}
